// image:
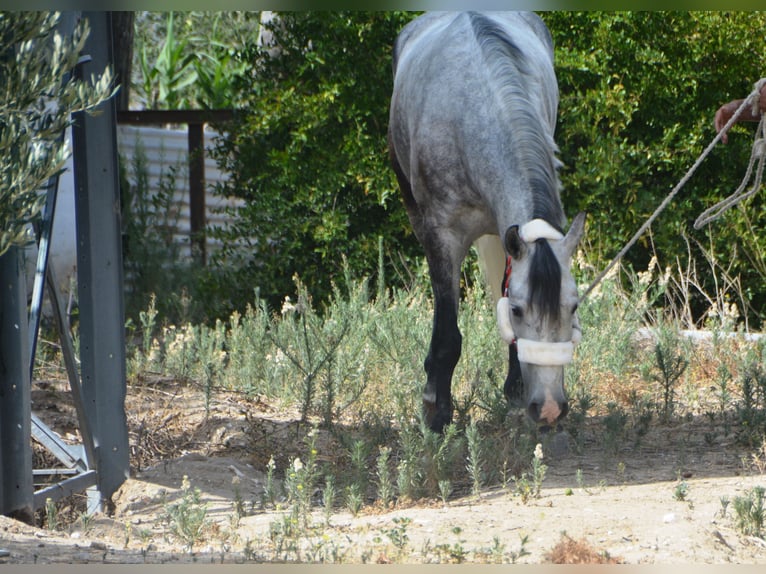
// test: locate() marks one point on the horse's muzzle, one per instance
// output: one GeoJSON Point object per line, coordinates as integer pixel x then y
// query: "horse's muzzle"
{"type": "Point", "coordinates": [547, 412]}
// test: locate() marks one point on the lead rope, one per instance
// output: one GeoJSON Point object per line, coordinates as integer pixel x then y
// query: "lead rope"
{"type": "Point", "coordinates": [752, 99]}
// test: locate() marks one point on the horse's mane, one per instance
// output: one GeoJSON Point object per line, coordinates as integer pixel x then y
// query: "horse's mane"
{"type": "Point", "coordinates": [535, 151]}
{"type": "Point", "coordinates": [545, 281]}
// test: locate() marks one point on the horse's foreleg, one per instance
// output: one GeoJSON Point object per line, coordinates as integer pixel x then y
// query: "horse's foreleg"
{"type": "Point", "coordinates": [446, 342]}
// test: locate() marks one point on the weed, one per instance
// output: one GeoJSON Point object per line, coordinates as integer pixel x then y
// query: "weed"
{"type": "Point", "coordinates": [408, 476]}
{"type": "Point", "coordinates": [353, 499]}
{"type": "Point", "coordinates": [398, 534]}
{"type": "Point", "coordinates": [300, 482]}
{"type": "Point", "coordinates": [752, 410]}
{"type": "Point", "coordinates": [440, 453]}
{"type": "Point", "coordinates": [475, 458]}
{"type": "Point", "coordinates": [538, 470]}
{"type": "Point", "coordinates": [187, 518]}
{"type": "Point", "coordinates": [681, 491]}
{"type": "Point", "coordinates": [270, 488]}
{"type": "Point", "coordinates": [725, 501]}
{"type": "Point", "coordinates": [51, 514]}
{"type": "Point", "coordinates": [239, 502]}
{"type": "Point", "coordinates": [749, 512]}
{"type": "Point", "coordinates": [328, 497]}
{"type": "Point", "coordinates": [522, 551]}
{"type": "Point", "coordinates": [671, 364]}
{"type": "Point", "coordinates": [494, 554]}
{"type": "Point", "coordinates": [614, 423]}
{"type": "Point", "coordinates": [359, 471]}
{"type": "Point", "coordinates": [530, 486]}
{"type": "Point", "coordinates": [385, 483]}
{"type": "Point", "coordinates": [445, 490]}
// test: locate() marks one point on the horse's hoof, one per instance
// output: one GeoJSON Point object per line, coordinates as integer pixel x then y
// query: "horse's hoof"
{"type": "Point", "coordinates": [436, 419]}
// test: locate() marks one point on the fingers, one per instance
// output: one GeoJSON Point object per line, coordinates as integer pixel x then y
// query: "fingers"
{"type": "Point", "coordinates": [720, 121]}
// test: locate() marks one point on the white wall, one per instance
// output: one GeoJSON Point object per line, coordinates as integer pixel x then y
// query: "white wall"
{"type": "Point", "coordinates": [163, 148]}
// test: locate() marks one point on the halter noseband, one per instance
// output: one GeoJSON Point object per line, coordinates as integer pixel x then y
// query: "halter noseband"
{"type": "Point", "coordinates": [529, 351]}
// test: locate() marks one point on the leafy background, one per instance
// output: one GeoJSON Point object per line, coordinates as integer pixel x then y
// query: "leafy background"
{"type": "Point", "coordinates": [638, 94]}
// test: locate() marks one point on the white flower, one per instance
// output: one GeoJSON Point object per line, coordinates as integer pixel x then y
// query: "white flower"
{"type": "Point", "coordinates": [539, 451]}
{"type": "Point", "coordinates": [287, 306]}
{"type": "Point", "coordinates": [297, 465]}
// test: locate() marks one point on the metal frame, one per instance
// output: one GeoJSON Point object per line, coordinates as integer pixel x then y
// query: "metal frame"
{"type": "Point", "coordinates": [99, 389]}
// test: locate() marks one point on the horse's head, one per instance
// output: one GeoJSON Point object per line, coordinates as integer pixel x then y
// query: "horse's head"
{"type": "Point", "coordinates": [538, 312]}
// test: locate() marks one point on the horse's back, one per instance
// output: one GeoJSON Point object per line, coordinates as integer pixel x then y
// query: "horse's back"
{"type": "Point", "coordinates": [432, 24]}
{"type": "Point", "coordinates": [455, 71]}
{"type": "Point", "coordinates": [471, 90]}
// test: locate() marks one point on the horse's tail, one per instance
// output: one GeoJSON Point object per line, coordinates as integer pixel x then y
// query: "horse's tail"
{"type": "Point", "coordinates": [492, 264]}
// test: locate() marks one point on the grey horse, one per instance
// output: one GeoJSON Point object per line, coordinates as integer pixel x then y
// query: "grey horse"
{"type": "Point", "coordinates": [472, 117]}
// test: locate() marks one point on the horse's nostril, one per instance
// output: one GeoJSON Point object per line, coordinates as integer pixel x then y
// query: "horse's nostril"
{"type": "Point", "coordinates": [533, 410]}
{"type": "Point", "coordinates": [564, 409]}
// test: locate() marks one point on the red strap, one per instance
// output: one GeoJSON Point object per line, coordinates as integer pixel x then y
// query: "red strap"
{"type": "Point", "coordinates": [507, 275]}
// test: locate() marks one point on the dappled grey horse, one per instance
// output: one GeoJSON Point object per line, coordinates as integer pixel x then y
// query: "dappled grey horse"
{"type": "Point", "coordinates": [472, 117]}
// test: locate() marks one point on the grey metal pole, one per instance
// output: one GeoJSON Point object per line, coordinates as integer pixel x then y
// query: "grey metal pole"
{"type": "Point", "coordinates": [99, 270]}
{"type": "Point", "coordinates": [16, 483]}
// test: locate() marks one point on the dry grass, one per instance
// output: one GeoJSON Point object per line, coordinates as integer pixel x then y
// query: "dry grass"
{"type": "Point", "coordinates": [571, 551]}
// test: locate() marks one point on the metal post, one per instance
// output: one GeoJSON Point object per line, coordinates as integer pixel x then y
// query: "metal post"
{"type": "Point", "coordinates": [99, 270]}
{"type": "Point", "coordinates": [16, 484]}
{"type": "Point", "coordinates": [196, 139]}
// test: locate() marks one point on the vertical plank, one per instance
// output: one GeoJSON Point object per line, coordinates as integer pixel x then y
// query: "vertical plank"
{"type": "Point", "coordinates": [99, 271]}
{"type": "Point", "coordinates": [16, 483]}
{"type": "Point", "coordinates": [197, 190]}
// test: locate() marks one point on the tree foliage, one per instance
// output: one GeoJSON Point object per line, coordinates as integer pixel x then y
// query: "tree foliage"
{"type": "Point", "coordinates": [186, 60]}
{"type": "Point", "coordinates": [310, 155]}
{"type": "Point", "coordinates": [35, 106]}
{"type": "Point", "coordinates": [639, 91]}
{"type": "Point", "coordinates": [638, 94]}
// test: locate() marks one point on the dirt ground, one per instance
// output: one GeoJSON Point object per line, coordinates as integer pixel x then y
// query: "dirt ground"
{"type": "Point", "coordinates": [625, 505]}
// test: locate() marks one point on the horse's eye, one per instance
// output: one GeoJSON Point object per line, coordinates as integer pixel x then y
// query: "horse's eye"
{"type": "Point", "coordinates": [516, 311]}
{"type": "Point", "coordinates": [574, 309]}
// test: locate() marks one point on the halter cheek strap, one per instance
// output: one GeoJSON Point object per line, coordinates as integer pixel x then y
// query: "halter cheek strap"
{"type": "Point", "coordinates": [534, 352]}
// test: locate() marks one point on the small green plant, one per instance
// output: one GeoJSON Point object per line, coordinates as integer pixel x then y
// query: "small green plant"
{"type": "Point", "coordinates": [398, 533]}
{"type": "Point", "coordinates": [187, 518]}
{"type": "Point", "coordinates": [530, 486]}
{"type": "Point", "coordinates": [238, 503]}
{"type": "Point", "coordinates": [301, 481]}
{"type": "Point", "coordinates": [681, 491]}
{"type": "Point", "coordinates": [522, 551]}
{"type": "Point", "coordinates": [353, 499]}
{"type": "Point", "coordinates": [752, 410]}
{"type": "Point", "coordinates": [51, 514]}
{"type": "Point", "coordinates": [271, 493]}
{"type": "Point", "coordinates": [359, 470]}
{"type": "Point", "coordinates": [538, 470]}
{"type": "Point", "coordinates": [328, 497]}
{"type": "Point", "coordinates": [475, 458]}
{"type": "Point", "coordinates": [445, 490]}
{"type": "Point", "coordinates": [725, 501]}
{"type": "Point", "coordinates": [385, 483]}
{"type": "Point", "coordinates": [749, 512]}
{"type": "Point", "coordinates": [615, 422]}
{"type": "Point", "coordinates": [440, 455]}
{"type": "Point", "coordinates": [671, 363]}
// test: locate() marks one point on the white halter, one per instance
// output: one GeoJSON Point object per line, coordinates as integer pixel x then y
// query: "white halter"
{"type": "Point", "coordinates": [529, 351]}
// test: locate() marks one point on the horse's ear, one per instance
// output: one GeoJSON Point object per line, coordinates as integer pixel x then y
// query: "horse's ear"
{"type": "Point", "coordinates": [573, 236]}
{"type": "Point", "coordinates": [514, 244]}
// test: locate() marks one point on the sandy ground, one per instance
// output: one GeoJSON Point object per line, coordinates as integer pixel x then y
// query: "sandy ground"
{"type": "Point", "coordinates": [621, 505]}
